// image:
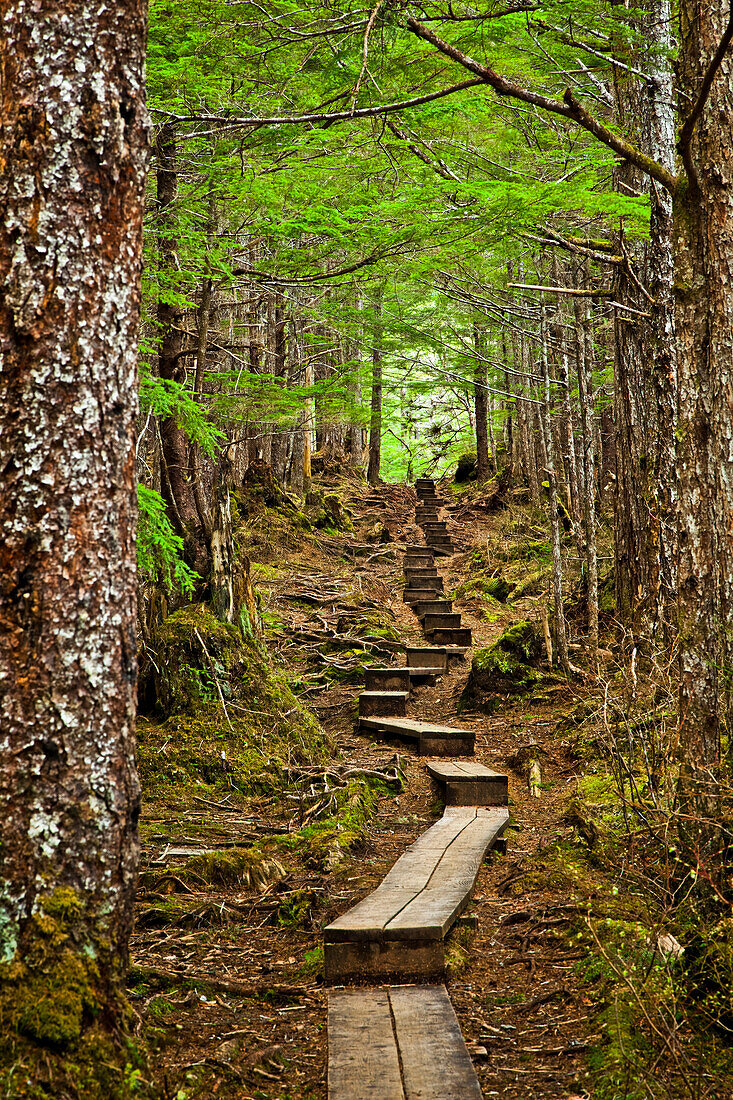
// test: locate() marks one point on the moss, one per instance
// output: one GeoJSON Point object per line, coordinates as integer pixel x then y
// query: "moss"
{"type": "Point", "coordinates": [531, 585]}
{"type": "Point", "coordinates": [61, 1021]}
{"type": "Point", "coordinates": [247, 867]}
{"type": "Point", "coordinates": [230, 723]}
{"type": "Point", "coordinates": [467, 468]}
{"type": "Point", "coordinates": [369, 623]}
{"type": "Point", "coordinates": [506, 668]}
{"type": "Point", "coordinates": [708, 973]}
{"type": "Point", "coordinates": [497, 589]}
{"type": "Point", "coordinates": [324, 845]}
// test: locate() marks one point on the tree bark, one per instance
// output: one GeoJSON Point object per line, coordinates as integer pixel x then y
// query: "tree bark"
{"type": "Point", "coordinates": [585, 358]}
{"type": "Point", "coordinates": [481, 408]}
{"type": "Point", "coordinates": [177, 487]}
{"type": "Point", "coordinates": [73, 149]}
{"type": "Point", "coordinates": [552, 508]}
{"type": "Point", "coordinates": [375, 421]}
{"type": "Point", "coordinates": [703, 244]}
{"type": "Point", "coordinates": [645, 362]}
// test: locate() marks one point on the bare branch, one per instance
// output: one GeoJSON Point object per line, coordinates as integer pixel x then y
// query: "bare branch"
{"type": "Point", "coordinates": [233, 123]}
{"type": "Point", "coordinates": [688, 128]}
{"type": "Point", "coordinates": [568, 107]}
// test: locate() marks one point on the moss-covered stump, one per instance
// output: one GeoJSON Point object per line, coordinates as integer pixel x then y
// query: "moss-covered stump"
{"type": "Point", "coordinates": [467, 468]}
{"type": "Point", "coordinates": [327, 512]}
{"type": "Point", "coordinates": [509, 667]}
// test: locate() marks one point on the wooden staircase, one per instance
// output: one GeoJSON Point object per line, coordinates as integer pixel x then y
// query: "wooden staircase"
{"type": "Point", "coordinates": [403, 1042]}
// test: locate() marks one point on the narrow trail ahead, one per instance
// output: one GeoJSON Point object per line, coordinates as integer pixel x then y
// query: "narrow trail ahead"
{"type": "Point", "coordinates": [402, 1041]}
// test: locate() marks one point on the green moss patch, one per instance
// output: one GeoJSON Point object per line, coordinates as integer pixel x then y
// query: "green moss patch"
{"type": "Point", "coordinates": [509, 667]}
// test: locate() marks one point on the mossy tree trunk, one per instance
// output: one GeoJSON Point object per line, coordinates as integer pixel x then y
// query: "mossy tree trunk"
{"type": "Point", "coordinates": [73, 149]}
{"type": "Point", "coordinates": [375, 421]}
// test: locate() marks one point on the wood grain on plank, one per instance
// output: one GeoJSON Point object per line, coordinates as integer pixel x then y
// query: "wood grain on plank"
{"type": "Point", "coordinates": [435, 1062]}
{"type": "Point", "coordinates": [363, 1063]}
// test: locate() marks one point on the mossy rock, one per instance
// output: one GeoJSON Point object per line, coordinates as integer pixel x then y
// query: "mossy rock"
{"type": "Point", "coordinates": [467, 469]}
{"type": "Point", "coordinates": [509, 667]}
{"type": "Point", "coordinates": [332, 515]}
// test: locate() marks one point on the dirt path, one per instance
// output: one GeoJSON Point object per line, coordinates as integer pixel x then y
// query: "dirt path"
{"type": "Point", "coordinates": [251, 1022]}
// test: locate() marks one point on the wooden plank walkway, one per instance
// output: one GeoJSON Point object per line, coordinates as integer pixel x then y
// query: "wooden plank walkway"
{"type": "Point", "coordinates": [400, 928]}
{"type": "Point", "coordinates": [401, 1043]}
{"type": "Point", "coordinates": [466, 783]}
{"type": "Point", "coordinates": [431, 738]}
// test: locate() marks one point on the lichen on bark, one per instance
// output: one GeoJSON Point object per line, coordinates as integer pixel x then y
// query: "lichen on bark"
{"type": "Point", "coordinates": [73, 148]}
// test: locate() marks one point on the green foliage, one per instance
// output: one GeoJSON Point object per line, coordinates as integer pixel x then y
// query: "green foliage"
{"type": "Point", "coordinates": [159, 549]}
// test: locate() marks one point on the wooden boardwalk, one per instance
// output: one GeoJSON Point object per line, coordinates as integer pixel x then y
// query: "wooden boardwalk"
{"type": "Point", "coordinates": [400, 929]}
{"type": "Point", "coordinates": [401, 1043]}
{"type": "Point", "coordinates": [404, 1042]}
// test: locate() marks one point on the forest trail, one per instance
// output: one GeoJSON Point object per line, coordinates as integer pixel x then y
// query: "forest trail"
{"type": "Point", "coordinates": [239, 1000]}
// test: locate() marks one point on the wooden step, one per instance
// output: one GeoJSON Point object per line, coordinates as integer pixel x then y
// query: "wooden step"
{"type": "Point", "coordinates": [431, 738]}
{"type": "Point", "coordinates": [456, 636]}
{"type": "Point", "coordinates": [399, 1043]}
{"type": "Point", "coordinates": [417, 551]}
{"type": "Point", "coordinates": [424, 562]}
{"type": "Point", "coordinates": [388, 678]}
{"type": "Point", "coordinates": [420, 573]}
{"type": "Point", "coordinates": [441, 622]}
{"type": "Point", "coordinates": [466, 783]}
{"type": "Point", "coordinates": [387, 703]}
{"type": "Point", "coordinates": [434, 583]}
{"type": "Point", "coordinates": [428, 589]}
{"type": "Point", "coordinates": [400, 929]}
{"type": "Point", "coordinates": [444, 551]}
{"type": "Point", "coordinates": [432, 607]}
{"type": "Point", "coordinates": [420, 675]}
{"type": "Point", "coordinates": [410, 595]}
{"type": "Point", "coordinates": [426, 657]}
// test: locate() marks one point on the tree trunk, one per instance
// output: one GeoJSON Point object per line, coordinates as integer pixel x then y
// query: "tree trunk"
{"type": "Point", "coordinates": [177, 488]}
{"type": "Point", "coordinates": [703, 232]}
{"type": "Point", "coordinates": [553, 510]}
{"type": "Point", "coordinates": [73, 148]}
{"type": "Point", "coordinates": [587, 416]}
{"type": "Point", "coordinates": [375, 421]}
{"type": "Point", "coordinates": [280, 354]}
{"type": "Point", "coordinates": [481, 408]}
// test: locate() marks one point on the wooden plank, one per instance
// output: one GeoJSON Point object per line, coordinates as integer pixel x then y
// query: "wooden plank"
{"type": "Point", "coordinates": [403, 882]}
{"type": "Point", "coordinates": [457, 769]}
{"type": "Point", "coordinates": [466, 783]}
{"type": "Point", "coordinates": [421, 656]}
{"type": "Point", "coordinates": [435, 1062]}
{"type": "Point", "coordinates": [363, 1063]}
{"type": "Point", "coordinates": [431, 913]}
{"type": "Point", "coordinates": [441, 621]}
{"type": "Point", "coordinates": [382, 703]}
{"type": "Point", "coordinates": [411, 727]}
{"type": "Point", "coordinates": [388, 678]}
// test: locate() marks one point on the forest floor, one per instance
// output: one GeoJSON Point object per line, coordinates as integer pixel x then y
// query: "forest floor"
{"type": "Point", "coordinates": [231, 998]}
